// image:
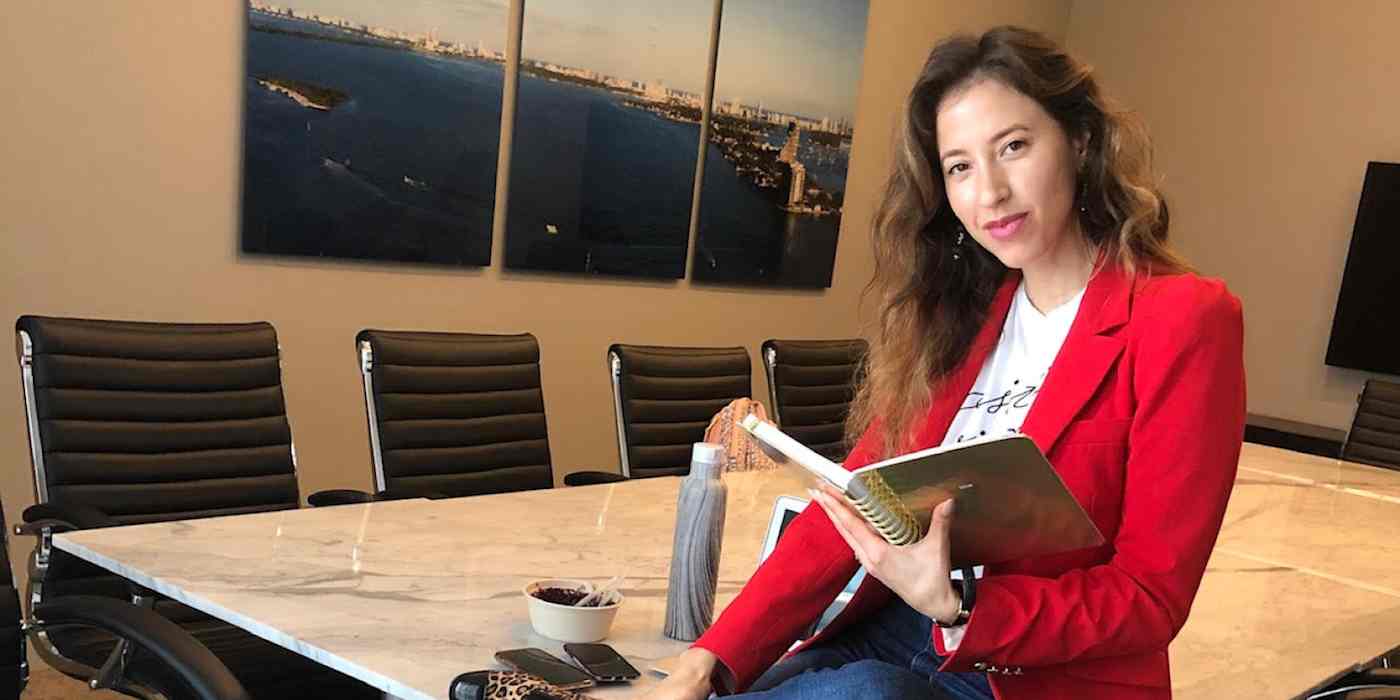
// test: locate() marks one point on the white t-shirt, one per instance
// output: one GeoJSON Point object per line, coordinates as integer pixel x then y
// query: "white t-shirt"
{"type": "Point", "coordinates": [1010, 380]}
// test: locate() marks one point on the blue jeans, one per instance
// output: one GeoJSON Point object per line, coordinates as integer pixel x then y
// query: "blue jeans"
{"type": "Point", "coordinates": [887, 657]}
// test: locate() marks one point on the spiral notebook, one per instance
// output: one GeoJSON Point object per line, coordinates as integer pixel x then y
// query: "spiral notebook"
{"type": "Point", "coordinates": [1011, 504]}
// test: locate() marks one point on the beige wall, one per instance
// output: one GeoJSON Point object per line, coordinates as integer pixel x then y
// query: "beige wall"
{"type": "Point", "coordinates": [1264, 115]}
{"type": "Point", "coordinates": [120, 163]}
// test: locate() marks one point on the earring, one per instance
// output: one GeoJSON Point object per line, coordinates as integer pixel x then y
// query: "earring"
{"type": "Point", "coordinates": [1083, 197]}
{"type": "Point", "coordinates": [957, 244]}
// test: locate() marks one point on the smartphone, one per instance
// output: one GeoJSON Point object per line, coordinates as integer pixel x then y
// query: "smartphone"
{"type": "Point", "coordinates": [538, 662]}
{"type": "Point", "coordinates": [602, 661]}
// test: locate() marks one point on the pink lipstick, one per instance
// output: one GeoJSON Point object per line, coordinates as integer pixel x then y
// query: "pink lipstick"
{"type": "Point", "coordinates": [1005, 227]}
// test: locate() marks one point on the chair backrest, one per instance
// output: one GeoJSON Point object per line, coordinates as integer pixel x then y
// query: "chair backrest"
{"type": "Point", "coordinates": [811, 384]}
{"type": "Point", "coordinates": [1374, 437]}
{"type": "Point", "coordinates": [456, 414]}
{"type": "Point", "coordinates": [664, 398]}
{"type": "Point", "coordinates": [157, 421]}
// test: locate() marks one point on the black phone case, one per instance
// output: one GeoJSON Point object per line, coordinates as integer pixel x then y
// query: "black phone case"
{"type": "Point", "coordinates": [630, 672]}
{"type": "Point", "coordinates": [546, 666]}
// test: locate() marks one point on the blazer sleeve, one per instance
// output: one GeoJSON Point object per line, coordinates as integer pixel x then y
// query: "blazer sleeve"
{"type": "Point", "coordinates": [798, 580]}
{"type": "Point", "coordinates": [1184, 447]}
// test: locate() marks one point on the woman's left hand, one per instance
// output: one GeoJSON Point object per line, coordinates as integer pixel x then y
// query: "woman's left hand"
{"type": "Point", "coordinates": [917, 573]}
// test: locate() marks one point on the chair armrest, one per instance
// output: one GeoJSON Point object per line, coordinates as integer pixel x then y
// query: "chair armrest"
{"type": "Point", "coordinates": [172, 646]}
{"type": "Point", "coordinates": [1365, 692]}
{"type": "Point", "coordinates": [338, 497]}
{"type": "Point", "coordinates": [61, 517]}
{"type": "Point", "coordinates": [1381, 676]}
{"type": "Point", "coordinates": [401, 494]}
{"type": "Point", "coordinates": [591, 478]}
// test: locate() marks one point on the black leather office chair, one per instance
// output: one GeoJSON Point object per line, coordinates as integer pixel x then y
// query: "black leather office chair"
{"type": "Point", "coordinates": [155, 658]}
{"type": "Point", "coordinates": [454, 414]}
{"type": "Point", "coordinates": [133, 422]}
{"type": "Point", "coordinates": [664, 398]}
{"type": "Point", "coordinates": [14, 663]}
{"type": "Point", "coordinates": [1374, 437]}
{"type": "Point", "coordinates": [810, 387]}
{"type": "Point", "coordinates": [1375, 679]}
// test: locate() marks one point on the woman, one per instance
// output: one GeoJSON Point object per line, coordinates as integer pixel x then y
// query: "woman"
{"type": "Point", "coordinates": [1025, 284]}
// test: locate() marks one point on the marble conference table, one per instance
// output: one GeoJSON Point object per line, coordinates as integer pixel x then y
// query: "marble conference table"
{"type": "Point", "coordinates": [404, 595]}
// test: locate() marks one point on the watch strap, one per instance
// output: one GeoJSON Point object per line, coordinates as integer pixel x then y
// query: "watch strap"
{"type": "Point", "coordinates": [968, 585]}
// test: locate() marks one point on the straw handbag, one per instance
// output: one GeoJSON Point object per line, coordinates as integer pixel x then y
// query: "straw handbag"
{"type": "Point", "coordinates": [742, 454]}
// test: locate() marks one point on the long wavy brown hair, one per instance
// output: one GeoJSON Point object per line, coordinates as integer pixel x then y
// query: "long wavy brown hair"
{"type": "Point", "coordinates": [931, 305]}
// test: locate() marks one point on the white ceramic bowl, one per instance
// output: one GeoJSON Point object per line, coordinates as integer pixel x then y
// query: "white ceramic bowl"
{"type": "Point", "coordinates": [567, 623]}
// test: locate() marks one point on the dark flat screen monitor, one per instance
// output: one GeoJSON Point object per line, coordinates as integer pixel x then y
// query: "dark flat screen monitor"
{"type": "Point", "coordinates": [1366, 325]}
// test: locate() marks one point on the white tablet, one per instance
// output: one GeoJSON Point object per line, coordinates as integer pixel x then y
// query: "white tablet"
{"type": "Point", "coordinates": [785, 510]}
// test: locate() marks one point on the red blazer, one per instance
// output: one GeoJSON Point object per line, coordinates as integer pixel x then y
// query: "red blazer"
{"type": "Point", "coordinates": [1142, 415]}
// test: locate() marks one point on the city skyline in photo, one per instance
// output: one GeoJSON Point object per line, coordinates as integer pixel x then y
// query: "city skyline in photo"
{"type": "Point", "coordinates": [798, 57]}
{"type": "Point", "coordinates": [649, 41]}
{"type": "Point", "coordinates": [464, 21]}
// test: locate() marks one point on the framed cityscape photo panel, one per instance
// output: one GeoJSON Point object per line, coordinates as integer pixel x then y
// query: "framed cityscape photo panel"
{"type": "Point", "coordinates": [780, 141]}
{"type": "Point", "coordinates": [371, 129]}
{"type": "Point", "coordinates": [607, 130]}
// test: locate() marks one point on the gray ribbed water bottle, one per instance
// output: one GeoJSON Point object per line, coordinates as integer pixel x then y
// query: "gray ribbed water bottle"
{"type": "Point", "coordinates": [690, 597]}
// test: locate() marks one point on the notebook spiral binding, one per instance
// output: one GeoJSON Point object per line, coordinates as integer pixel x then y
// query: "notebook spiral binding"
{"type": "Point", "coordinates": [883, 509]}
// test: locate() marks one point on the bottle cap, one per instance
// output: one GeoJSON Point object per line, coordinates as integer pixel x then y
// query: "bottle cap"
{"type": "Point", "coordinates": [707, 453]}
{"type": "Point", "coordinates": [707, 460]}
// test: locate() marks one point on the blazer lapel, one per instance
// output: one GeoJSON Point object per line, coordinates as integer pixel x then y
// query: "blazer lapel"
{"type": "Point", "coordinates": [1089, 351]}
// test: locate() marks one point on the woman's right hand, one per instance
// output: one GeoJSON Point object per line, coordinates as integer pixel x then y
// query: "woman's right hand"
{"type": "Point", "coordinates": [689, 680]}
